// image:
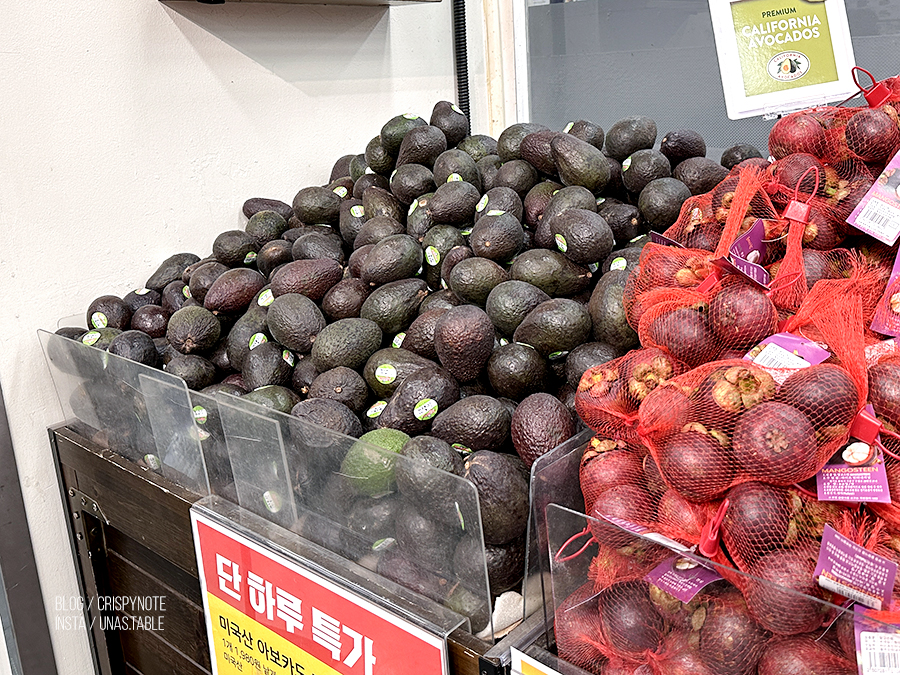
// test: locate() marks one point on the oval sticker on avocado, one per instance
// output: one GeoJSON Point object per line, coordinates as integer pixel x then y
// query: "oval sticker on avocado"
{"type": "Point", "coordinates": [432, 255]}
{"type": "Point", "coordinates": [495, 212]}
{"type": "Point", "coordinates": [385, 373]}
{"type": "Point", "coordinates": [357, 211]}
{"type": "Point", "coordinates": [288, 357]}
{"type": "Point", "coordinates": [626, 163]}
{"type": "Point", "coordinates": [272, 501]}
{"type": "Point", "coordinates": [99, 320]}
{"type": "Point", "coordinates": [425, 409]}
{"type": "Point", "coordinates": [376, 409]}
{"type": "Point", "coordinates": [410, 116]}
{"type": "Point", "coordinates": [186, 292]}
{"type": "Point", "coordinates": [459, 447]}
{"type": "Point", "coordinates": [454, 178]}
{"type": "Point", "coordinates": [266, 298]}
{"type": "Point", "coordinates": [152, 461]}
{"type": "Point", "coordinates": [398, 340]}
{"type": "Point", "coordinates": [90, 337]}
{"type": "Point", "coordinates": [618, 264]}
{"type": "Point", "coordinates": [142, 291]}
{"type": "Point", "coordinates": [340, 191]}
{"type": "Point", "coordinates": [413, 207]}
{"type": "Point", "coordinates": [456, 109]}
{"type": "Point", "coordinates": [250, 257]}
{"type": "Point", "coordinates": [200, 414]}
{"type": "Point", "coordinates": [481, 203]}
{"type": "Point", "coordinates": [561, 243]}
{"type": "Point", "coordinates": [257, 339]}
{"type": "Point", "coordinates": [593, 267]}
{"type": "Point", "coordinates": [568, 127]}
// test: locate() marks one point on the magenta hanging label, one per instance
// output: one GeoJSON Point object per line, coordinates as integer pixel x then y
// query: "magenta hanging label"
{"type": "Point", "coordinates": [751, 246]}
{"type": "Point", "coordinates": [887, 313]}
{"type": "Point", "coordinates": [786, 350]}
{"type": "Point", "coordinates": [877, 645]}
{"type": "Point", "coordinates": [681, 577]}
{"type": "Point", "coordinates": [878, 212]}
{"type": "Point", "coordinates": [853, 571]}
{"type": "Point", "coordinates": [663, 240]}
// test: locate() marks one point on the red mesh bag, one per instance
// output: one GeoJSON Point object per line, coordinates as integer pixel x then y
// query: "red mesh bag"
{"type": "Point", "coordinates": [608, 395]}
{"type": "Point", "coordinates": [815, 131]}
{"type": "Point", "coordinates": [804, 654]}
{"type": "Point", "coordinates": [696, 226]}
{"type": "Point", "coordinates": [576, 627]}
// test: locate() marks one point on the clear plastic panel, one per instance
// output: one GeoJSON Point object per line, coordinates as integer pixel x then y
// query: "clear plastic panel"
{"type": "Point", "coordinates": [205, 412]}
{"type": "Point", "coordinates": [554, 480]}
{"type": "Point", "coordinates": [409, 522]}
{"type": "Point", "coordinates": [177, 436]}
{"type": "Point", "coordinates": [256, 448]}
{"type": "Point", "coordinates": [103, 396]}
{"type": "Point", "coordinates": [583, 584]}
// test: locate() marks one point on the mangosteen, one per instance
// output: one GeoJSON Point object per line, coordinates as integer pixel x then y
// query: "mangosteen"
{"type": "Point", "coordinates": [826, 394]}
{"type": "Point", "coordinates": [685, 334]}
{"type": "Point", "coordinates": [797, 133]}
{"type": "Point", "coordinates": [606, 464]}
{"type": "Point", "coordinates": [756, 522]}
{"type": "Point", "coordinates": [629, 621]}
{"type": "Point", "coordinates": [696, 465]}
{"type": "Point", "coordinates": [776, 443]}
{"type": "Point", "coordinates": [775, 598]}
{"type": "Point", "coordinates": [628, 502]}
{"type": "Point", "coordinates": [731, 642]}
{"type": "Point", "coordinates": [872, 135]}
{"type": "Point", "coordinates": [741, 314]}
{"type": "Point", "coordinates": [884, 392]}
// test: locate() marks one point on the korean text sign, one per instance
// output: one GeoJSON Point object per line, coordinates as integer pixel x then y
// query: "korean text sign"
{"type": "Point", "coordinates": [265, 614]}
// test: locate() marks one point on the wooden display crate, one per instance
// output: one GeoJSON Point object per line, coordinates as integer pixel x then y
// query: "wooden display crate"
{"type": "Point", "coordinates": [130, 531]}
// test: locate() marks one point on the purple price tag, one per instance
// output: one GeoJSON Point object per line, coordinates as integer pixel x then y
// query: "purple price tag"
{"type": "Point", "coordinates": [755, 273]}
{"type": "Point", "coordinates": [887, 314]}
{"type": "Point", "coordinates": [682, 578]}
{"type": "Point", "coordinates": [751, 246]}
{"type": "Point", "coordinates": [855, 572]}
{"type": "Point", "coordinates": [787, 351]}
{"type": "Point", "coordinates": [663, 240]}
{"type": "Point", "coordinates": [878, 212]}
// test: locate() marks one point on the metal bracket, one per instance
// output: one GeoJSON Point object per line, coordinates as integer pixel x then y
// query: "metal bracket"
{"type": "Point", "coordinates": [79, 501]}
{"type": "Point", "coordinates": [487, 667]}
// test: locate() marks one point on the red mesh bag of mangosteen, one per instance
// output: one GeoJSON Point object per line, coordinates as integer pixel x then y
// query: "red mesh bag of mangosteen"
{"type": "Point", "coordinates": [609, 395]}
{"type": "Point", "coordinates": [815, 131]}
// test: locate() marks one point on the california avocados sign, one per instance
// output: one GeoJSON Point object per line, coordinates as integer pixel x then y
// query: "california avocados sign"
{"type": "Point", "coordinates": [779, 55]}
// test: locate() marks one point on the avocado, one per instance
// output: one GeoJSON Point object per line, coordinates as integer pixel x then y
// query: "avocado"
{"type": "Point", "coordinates": [443, 299]}
{"type": "Point", "coordinates": [615, 188]}
{"type": "Point", "coordinates": [418, 218]}
{"type": "Point", "coordinates": [202, 278]}
{"type": "Point", "coordinates": [464, 339]}
{"type": "Point", "coordinates": [196, 371]}
{"type": "Point", "coordinates": [398, 256]}
{"type": "Point", "coordinates": [476, 422]}
{"type": "Point", "coordinates": [557, 325]}
{"type": "Point", "coordinates": [193, 329]}
{"type": "Point", "coordinates": [586, 131]}
{"type": "Point", "coordinates": [516, 371]}
{"type": "Point", "coordinates": [341, 167]}
{"type": "Point", "coordinates": [680, 144]}
{"type": "Point", "coordinates": [424, 541]}
{"type": "Point", "coordinates": [629, 135]}
{"type": "Point", "coordinates": [373, 517]}
{"type": "Point", "coordinates": [625, 220]}
{"type": "Point", "coordinates": [256, 204]}
{"type": "Point", "coordinates": [579, 163]}
{"type": "Point", "coordinates": [518, 175]}
{"type": "Point", "coordinates": [488, 170]}
{"type": "Point", "coordinates": [582, 236]}
{"type": "Point", "coordinates": [294, 321]}
{"type": "Point", "coordinates": [267, 363]}
{"type": "Point", "coordinates": [274, 397]}
{"type": "Point", "coordinates": [346, 342]}
{"type": "Point", "coordinates": [135, 345]}
{"type": "Point", "coordinates": [394, 305]}
{"type": "Point", "coordinates": [235, 248]}
{"type": "Point", "coordinates": [642, 166]}
{"type": "Point", "coordinates": [312, 278]}
{"type": "Point", "coordinates": [422, 145]}
{"type": "Point", "coordinates": [377, 228]}
{"type": "Point", "coordinates": [700, 174]}
{"type": "Point", "coordinates": [420, 334]}
{"type": "Point", "coordinates": [304, 374]}
{"type": "Point", "coordinates": [550, 271]}
{"type": "Point", "coordinates": [273, 254]}
{"type": "Point", "coordinates": [343, 385]}
{"type": "Point", "coordinates": [351, 219]}
{"type": "Point", "coordinates": [497, 236]}
{"type": "Point", "coordinates": [420, 397]}
{"type": "Point", "coordinates": [737, 154]}
{"type": "Point", "coordinates": [585, 356]}
{"type": "Point", "coordinates": [572, 197]}
{"type": "Point", "coordinates": [378, 158]}
{"type": "Point", "coordinates": [537, 200]}
{"type": "Point", "coordinates": [386, 369]}
{"type": "Point", "coordinates": [219, 357]}
{"type": "Point", "coordinates": [500, 199]}
{"type": "Point", "coordinates": [315, 204]}
{"type": "Point", "coordinates": [342, 187]}
{"type": "Point", "coordinates": [265, 226]}
{"type": "Point", "coordinates": [237, 342]}
{"type": "Point", "coordinates": [624, 259]}
{"type": "Point", "coordinates": [317, 245]}
{"type": "Point", "coordinates": [170, 270]}
{"type": "Point", "coordinates": [456, 165]}
{"type": "Point", "coordinates": [233, 290]}
{"type": "Point", "coordinates": [411, 181]}
{"type": "Point", "coordinates": [454, 203]}
{"type": "Point", "coordinates": [502, 495]}
{"type": "Point", "coordinates": [535, 149]}
{"type": "Point", "coordinates": [505, 563]}
{"type": "Point", "coordinates": [660, 202]}
{"type": "Point", "coordinates": [358, 167]}
{"type": "Point", "coordinates": [608, 318]}
{"type": "Point", "coordinates": [369, 180]}
{"type": "Point", "coordinates": [437, 244]}
{"type": "Point", "coordinates": [109, 311]}
{"type": "Point", "coordinates": [451, 120]}
{"type": "Point", "coordinates": [473, 279]}
{"type": "Point", "coordinates": [541, 423]}
{"type": "Point", "coordinates": [150, 319]}
{"type": "Point", "coordinates": [510, 140]}
{"type": "Point", "coordinates": [509, 303]}
{"type": "Point", "coordinates": [345, 299]}
{"type": "Point", "coordinates": [421, 478]}
{"type": "Point", "coordinates": [316, 415]}
{"type": "Point", "coordinates": [141, 297]}
{"type": "Point", "coordinates": [478, 146]}
{"type": "Point", "coordinates": [394, 130]}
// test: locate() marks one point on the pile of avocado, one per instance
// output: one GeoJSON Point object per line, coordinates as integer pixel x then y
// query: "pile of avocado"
{"type": "Point", "coordinates": [450, 287]}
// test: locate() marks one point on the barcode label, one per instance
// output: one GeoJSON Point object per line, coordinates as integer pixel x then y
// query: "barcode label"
{"type": "Point", "coordinates": [879, 653]}
{"type": "Point", "coordinates": [827, 582]}
{"type": "Point", "coordinates": [879, 219]}
{"type": "Point", "coordinates": [776, 356]}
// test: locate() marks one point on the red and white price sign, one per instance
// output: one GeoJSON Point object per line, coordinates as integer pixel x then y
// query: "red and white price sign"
{"type": "Point", "coordinates": [265, 614]}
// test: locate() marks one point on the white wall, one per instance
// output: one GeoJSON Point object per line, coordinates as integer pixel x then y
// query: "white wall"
{"type": "Point", "coordinates": [133, 130]}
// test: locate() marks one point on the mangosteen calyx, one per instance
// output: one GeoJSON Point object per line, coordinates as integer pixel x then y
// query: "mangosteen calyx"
{"type": "Point", "coordinates": [648, 375]}
{"type": "Point", "coordinates": [598, 381]}
{"type": "Point", "coordinates": [740, 388]}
